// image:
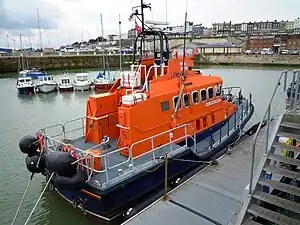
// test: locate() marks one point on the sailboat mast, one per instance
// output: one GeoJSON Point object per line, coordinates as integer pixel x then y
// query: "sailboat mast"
{"type": "Point", "coordinates": [102, 46]}
{"type": "Point", "coordinates": [29, 39]}
{"type": "Point", "coordinates": [39, 25]}
{"type": "Point", "coordinates": [120, 42]}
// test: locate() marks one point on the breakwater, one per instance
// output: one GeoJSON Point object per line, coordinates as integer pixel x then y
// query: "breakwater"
{"type": "Point", "coordinates": [63, 62]}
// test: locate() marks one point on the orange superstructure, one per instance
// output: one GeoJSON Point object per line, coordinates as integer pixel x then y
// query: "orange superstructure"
{"type": "Point", "coordinates": [151, 110]}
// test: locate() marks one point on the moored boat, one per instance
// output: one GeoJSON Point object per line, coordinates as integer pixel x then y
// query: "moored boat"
{"type": "Point", "coordinates": [161, 112]}
{"type": "Point", "coordinates": [46, 84]}
{"type": "Point", "coordinates": [82, 83]}
{"type": "Point", "coordinates": [34, 73]}
{"type": "Point", "coordinates": [65, 84]}
{"type": "Point", "coordinates": [103, 82]}
{"type": "Point", "coordinates": [25, 85]}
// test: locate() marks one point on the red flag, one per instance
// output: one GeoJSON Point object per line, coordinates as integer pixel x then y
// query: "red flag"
{"type": "Point", "coordinates": [130, 17]}
{"type": "Point", "coordinates": [138, 29]}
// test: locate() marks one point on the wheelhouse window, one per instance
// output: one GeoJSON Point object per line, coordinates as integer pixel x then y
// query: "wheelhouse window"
{"type": "Point", "coordinates": [203, 95]}
{"type": "Point", "coordinates": [218, 88]}
{"type": "Point", "coordinates": [195, 96]}
{"type": "Point", "coordinates": [164, 106]}
{"type": "Point", "coordinates": [186, 100]}
{"type": "Point", "coordinates": [175, 102]}
{"type": "Point", "coordinates": [210, 93]}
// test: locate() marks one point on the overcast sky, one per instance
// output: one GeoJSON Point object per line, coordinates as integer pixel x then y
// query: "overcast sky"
{"type": "Point", "coordinates": [62, 20]}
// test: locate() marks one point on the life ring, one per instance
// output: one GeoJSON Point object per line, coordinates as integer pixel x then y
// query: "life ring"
{"type": "Point", "coordinates": [71, 150]}
{"type": "Point", "coordinates": [41, 141]}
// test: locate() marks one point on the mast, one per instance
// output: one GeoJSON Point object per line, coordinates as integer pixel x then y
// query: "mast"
{"type": "Point", "coordinates": [39, 25]}
{"type": "Point", "coordinates": [29, 39]}
{"type": "Point", "coordinates": [142, 11]}
{"type": "Point", "coordinates": [102, 46]}
{"type": "Point", "coordinates": [120, 42]}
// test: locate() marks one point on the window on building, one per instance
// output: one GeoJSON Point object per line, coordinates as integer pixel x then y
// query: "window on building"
{"type": "Point", "coordinates": [203, 95]}
{"type": "Point", "coordinates": [195, 96]}
{"type": "Point", "coordinates": [210, 93]}
{"type": "Point", "coordinates": [186, 100]}
{"type": "Point", "coordinates": [164, 106]}
{"type": "Point", "coordinates": [175, 101]}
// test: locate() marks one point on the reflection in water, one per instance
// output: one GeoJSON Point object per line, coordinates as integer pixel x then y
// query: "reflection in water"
{"type": "Point", "coordinates": [26, 98]}
{"type": "Point", "coordinates": [50, 97]}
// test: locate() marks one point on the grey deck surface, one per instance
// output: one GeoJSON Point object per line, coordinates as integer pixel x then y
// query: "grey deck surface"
{"type": "Point", "coordinates": [213, 196]}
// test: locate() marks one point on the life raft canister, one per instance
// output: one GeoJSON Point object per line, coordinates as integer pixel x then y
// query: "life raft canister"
{"type": "Point", "coordinates": [71, 150]}
{"type": "Point", "coordinates": [41, 141]}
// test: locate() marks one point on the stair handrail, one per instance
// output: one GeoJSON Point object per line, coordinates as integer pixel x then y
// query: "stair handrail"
{"type": "Point", "coordinates": [268, 114]}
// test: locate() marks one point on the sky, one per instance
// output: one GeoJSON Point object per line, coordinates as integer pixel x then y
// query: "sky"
{"type": "Point", "coordinates": [66, 21]}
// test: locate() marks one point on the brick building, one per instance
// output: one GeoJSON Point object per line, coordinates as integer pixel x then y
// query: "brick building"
{"type": "Point", "coordinates": [260, 42]}
{"type": "Point", "coordinates": [293, 42]}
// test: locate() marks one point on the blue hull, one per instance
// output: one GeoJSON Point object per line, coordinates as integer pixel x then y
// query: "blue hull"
{"type": "Point", "coordinates": [119, 198]}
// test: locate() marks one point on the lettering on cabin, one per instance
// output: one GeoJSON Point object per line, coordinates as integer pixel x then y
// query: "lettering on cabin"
{"type": "Point", "coordinates": [178, 74]}
{"type": "Point", "coordinates": [212, 102]}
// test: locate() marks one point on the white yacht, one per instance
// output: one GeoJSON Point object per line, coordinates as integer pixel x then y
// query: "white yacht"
{"type": "Point", "coordinates": [46, 84]}
{"type": "Point", "coordinates": [25, 85]}
{"type": "Point", "coordinates": [82, 83]}
{"type": "Point", "coordinates": [65, 84]}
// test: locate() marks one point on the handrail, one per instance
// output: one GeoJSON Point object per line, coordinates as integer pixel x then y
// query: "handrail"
{"type": "Point", "coordinates": [267, 113]}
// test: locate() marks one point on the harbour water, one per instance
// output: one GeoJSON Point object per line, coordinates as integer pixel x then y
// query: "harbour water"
{"type": "Point", "coordinates": [21, 115]}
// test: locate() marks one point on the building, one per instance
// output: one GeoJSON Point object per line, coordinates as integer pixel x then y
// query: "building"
{"type": "Point", "coordinates": [293, 42]}
{"type": "Point", "coordinates": [260, 42]}
{"type": "Point", "coordinates": [207, 31]}
{"type": "Point", "coordinates": [179, 30]}
{"type": "Point", "coordinates": [197, 30]}
{"type": "Point", "coordinates": [297, 26]}
{"type": "Point", "coordinates": [222, 29]}
{"type": "Point", "coordinates": [112, 37]}
{"type": "Point", "coordinates": [131, 34]}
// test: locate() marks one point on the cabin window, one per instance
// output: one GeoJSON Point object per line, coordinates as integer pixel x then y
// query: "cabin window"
{"type": "Point", "coordinates": [164, 106]}
{"type": "Point", "coordinates": [213, 119]}
{"type": "Point", "coordinates": [175, 102]}
{"type": "Point", "coordinates": [186, 100]}
{"type": "Point", "coordinates": [195, 96]}
{"type": "Point", "coordinates": [203, 95]}
{"type": "Point", "coordinates": [204, 122]}
{"type": "Point", "coordinates": [197, 124]}
{"type": "Point", "coordinates": [218, 88]}
{"type": "Point", "coordinates": [210, 93]}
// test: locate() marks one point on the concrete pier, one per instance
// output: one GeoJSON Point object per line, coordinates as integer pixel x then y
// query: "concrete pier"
{"type": "Point", "coordinates": [213, 196]}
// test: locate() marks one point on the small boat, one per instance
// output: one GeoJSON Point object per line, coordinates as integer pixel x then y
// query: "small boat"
{"type": "Point", "coordinates": [25, 85]}
{"type": "Point", "coordinates": [65, 84]}
{"type": "Point", "coordinates": [46, 84]}
{"type": "Point", "coordinates": [161, 114]}
{"type": "Point", "coordinates": [103, 82]}
{"type": "Point", "coordinates": [34, 73]}
{"type": "Point", "coordinates": [82, 83]}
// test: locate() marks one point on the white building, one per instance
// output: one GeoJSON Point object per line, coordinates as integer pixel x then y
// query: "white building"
{"type": "Point", "coordinates": [244, 27]}
{"type": "Point", "coordinates": [297, 26]}
{"type": "Point", "coordinates": [179, 29]}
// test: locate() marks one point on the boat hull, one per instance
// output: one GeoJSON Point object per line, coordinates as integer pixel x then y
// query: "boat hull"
{"type": "Point", "coordinates": [117, 199]}
{"type": "Point", "coordinates": [26, 90]}
{"type": "Point", "coordinates": [102, 87]}
{"type": "Point", "coordinates": [83, 87]}
{"type": "Point", "coordinates": [47, 88]}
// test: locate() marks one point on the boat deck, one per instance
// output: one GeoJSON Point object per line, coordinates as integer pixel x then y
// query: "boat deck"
{"type": "Point", "coordinates": [143, 162]}
{"type": "Point", "coordinates": [213, 196]}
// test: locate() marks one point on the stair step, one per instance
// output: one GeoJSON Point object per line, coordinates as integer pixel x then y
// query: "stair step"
{"type": "Point", "coordinates": [288, 147]}
{"type": "Point", "coordinates": [290, 125]}
{"type": "Point", "coordinates": [272, 216]}
{"type": "Point", "coordinates": [283, 172]}
{"type": "Point", "coordinates": [251, 222]}
{"type": "Point", "coordinates": [283, 159]}
{"type": "Point", "coordinates": [275, 200]}
{"type": "Point", "coordinates": [288, 135]}
{"type": "Point", "coordinates": [281, 186]}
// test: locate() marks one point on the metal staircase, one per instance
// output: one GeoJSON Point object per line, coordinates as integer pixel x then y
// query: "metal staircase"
{"type": "Point", "coordinates": [274, 192]}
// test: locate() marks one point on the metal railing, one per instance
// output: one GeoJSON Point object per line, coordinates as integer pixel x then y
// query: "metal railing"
{"type": "Point", "coordinates": [87, 161]}
{"type": "Point", "coordinates": [266, 117]}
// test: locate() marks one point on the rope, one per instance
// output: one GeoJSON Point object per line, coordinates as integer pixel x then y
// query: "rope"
{"type": "Point", "coordinates": [21, 202]}
{"type": "Point", "coordinates": [39, 199]}
{"type": "Point", "coordinates": [192, 161]}
{"type": "Point", "coordinates": [150, 171]}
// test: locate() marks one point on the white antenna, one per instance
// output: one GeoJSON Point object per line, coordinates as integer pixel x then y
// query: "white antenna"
{"type": "Point", "coordinates": [39, 25]}
{"type": "Point", "coordinates": [120, 40]}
